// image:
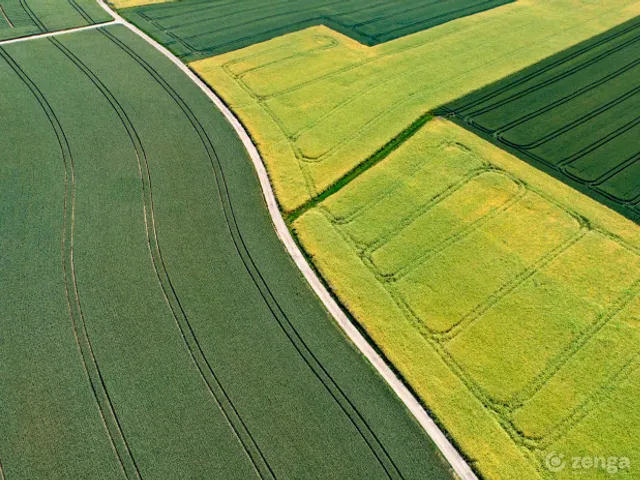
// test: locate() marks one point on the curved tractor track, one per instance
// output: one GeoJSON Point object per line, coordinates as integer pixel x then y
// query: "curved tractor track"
{"type": "Point", "coordinates": [361, 419]}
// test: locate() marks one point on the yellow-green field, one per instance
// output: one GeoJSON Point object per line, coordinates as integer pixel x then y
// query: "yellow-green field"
{"type": "Point", "coordinates": [318, 103]}
{"type": "Point", "coordinates": [133, 3]}
{"type": "Point", "coordinates": [507, 300]}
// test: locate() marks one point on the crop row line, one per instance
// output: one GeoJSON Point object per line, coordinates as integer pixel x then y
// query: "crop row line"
{"type": "Point", "coordinates": [357, 212]}
{"type": "Point", "coordinates": [422, 209]}
{"type": "Point", "coordinates": [456, 14]}
{"type": "Point", "coordinates": [252, 39]}
{"type": "Point", "coordinates": [204, 367]}
{"type": "Point", "coordinates": [564, 163]}
{"type": "Point", "coordinates": [286, 12]}
{"type": "Point", "coordinates": [567, 127]}
{"type": "Point", "coordinates": [379, 58]}
{"type": "Point", "coordinates": [431, 203]}
{"type": "Point", "coordinates": [331, 43]}
{"type": "Point", "coordinates": [81, 11]}
{"type": "Point", "coordinates": [601, 141]}
{"type": "Point", "coordinates": [295, 150]}
{"type": "Point", "coordinates": [90, 364]}
{"type": "Point", "coordinates": [352, 413]}
{"type": "Point", "coordinates": [548, 67]}
{"type": "Point", "coordinates": [609, 174]}
{"type": "Point", "coordinates": [578, 413]}
{"type": "Point", "coordinates": [592, 402]}
{"type": "Point", "coordinates": [566, 74]}
{"type": "Point", "coordinates": [320, 19]}
{"type": "Point", "coordinates": [477, 312]}
{"type": "Point", "coordinates": [563, 100]}
{"type": "Point", "coordinates": [206, 5]}
{"type": "Point", "coordinates": [395, 186]}
{"type": "Point", "coordinates": [4, 15]}
{"type": "Point", "coordinates": [34, 18]}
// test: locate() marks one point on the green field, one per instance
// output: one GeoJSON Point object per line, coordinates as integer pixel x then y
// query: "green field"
{"type": "Point", "coordinates": [575, 115]}
{"type": "Point", "coordinates": [19, 18]}
{"type": "Point", "coordinates": [507, 300]}
{"type": "Point", "coordinates": [318, 103]}
{"type": "Point", "coordinates": [152, 323]}
{"type": "Point", "coordinates": [194, 29]}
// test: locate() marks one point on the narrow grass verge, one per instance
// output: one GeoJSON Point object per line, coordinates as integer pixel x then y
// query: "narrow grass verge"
{"type": "Point", "coordinates": [359, 169]}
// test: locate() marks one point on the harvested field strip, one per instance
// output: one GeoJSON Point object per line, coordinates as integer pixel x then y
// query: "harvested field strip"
{"type": "Point", "coordinates": [191, 29]}
{"type": "Point", "coordinates": [258, 362]}
{"type": "Point", "coordinates": [301, 96]}
{"type": "Point", "coordinates": [90, 364]}
{"type": "Point", "coordinates": [571, 115]}
{"type": "Point", "coordinates": [535, 309]}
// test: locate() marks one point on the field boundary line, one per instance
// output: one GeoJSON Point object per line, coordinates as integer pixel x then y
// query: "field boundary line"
{"type": "Point", "coordinates": [454, 458]}
{"type": "Point", "coordinates": [58, 32]}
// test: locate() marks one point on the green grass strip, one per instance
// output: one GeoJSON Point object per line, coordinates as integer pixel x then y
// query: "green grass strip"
{"type": "Point", "coordinates": [359, 169]}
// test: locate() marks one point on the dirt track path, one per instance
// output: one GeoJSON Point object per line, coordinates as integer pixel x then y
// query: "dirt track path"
{"type": "Point", "coordinates": [458, 464]}
{"type": "Point", "coordinates": [59, 32]}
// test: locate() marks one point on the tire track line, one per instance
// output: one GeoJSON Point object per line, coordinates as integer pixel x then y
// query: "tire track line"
{"type": "Point", "coordinates": [559, 62]}
{"type": "Point", "coordinates": [32, 16]}
{"type": "Point", "coordinates": [4, 15]}
{"type": "Point", "coordinates": [197, 355]}
{"type": "Point", "coordinates": [370, 438]}
{"type": "Point", "coordinates": [442, 442]}
{"type": "Point", "coordinates": [92, 370]}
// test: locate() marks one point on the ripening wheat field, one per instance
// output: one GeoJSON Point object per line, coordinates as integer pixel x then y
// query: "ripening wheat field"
{"type": "Point", "coordinates": [318, 103]}
{"type": "Point", "coordinates": [507, 300]}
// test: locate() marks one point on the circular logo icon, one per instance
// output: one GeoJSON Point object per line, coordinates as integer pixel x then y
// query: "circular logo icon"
{"type": "Point", "coordinates": [555, 462]}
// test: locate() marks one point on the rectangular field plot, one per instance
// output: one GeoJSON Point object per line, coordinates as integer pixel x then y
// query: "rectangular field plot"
{"type": "Point", "coordinates": [318, 104]}
{"type": "Point", "coordinates": [491, 286]}
{"type": "Point", "coordinates": [21, 18]}
{"type": "Point", "coordinates": [194, 29]}
{"type": "Point", "coordinates": [576, 115]}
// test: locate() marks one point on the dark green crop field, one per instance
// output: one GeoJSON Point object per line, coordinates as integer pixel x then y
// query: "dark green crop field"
{"type": "Point", "coordinates": [152, 324]}
{"type": "Point", "coordinates": [193, 29]}
{"type": "Point", "coordinates": [575, 115]}
{"type": "Point", "coordinates": [19, 18]}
